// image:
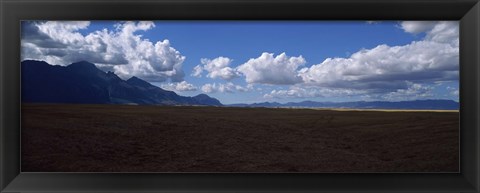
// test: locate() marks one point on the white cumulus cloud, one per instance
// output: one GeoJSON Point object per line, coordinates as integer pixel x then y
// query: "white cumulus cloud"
{"type": "Point", "coordinates": [122, 50]}
{"type": "Point", "coordinates": [270, 69]}
{"type": "Point", "coordinates": [216, 68]}
{"type": "Point", "coordinates": [197, 71]}
{"type": "Point", "coordinates": [413, 92]}
{"type": "Point", "coordinates": [225, 88]}
{"type": "Point", "coordinates": [416, 27]}
{"type": "Point", "coordinates": [311, 92]}
{"type": "Point", "coordinates": [453, 91]}
{"type": "Point", "coordinates": [179, 86]}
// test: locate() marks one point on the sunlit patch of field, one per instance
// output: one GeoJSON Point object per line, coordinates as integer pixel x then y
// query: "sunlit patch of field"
{"type": "Point", "coordinates": [135, 138]}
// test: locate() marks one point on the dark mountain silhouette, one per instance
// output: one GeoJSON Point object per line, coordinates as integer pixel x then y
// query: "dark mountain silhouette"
{"type": "Point", "coordinates": [417, 104]}
{"type": "Point", "coordinates": [205, 99]}
{"type": "Point", "coordinates": [83, 82]}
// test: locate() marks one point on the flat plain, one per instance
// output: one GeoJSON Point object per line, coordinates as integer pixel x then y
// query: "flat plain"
{"type": "Point", "coordinates": [129, 138]}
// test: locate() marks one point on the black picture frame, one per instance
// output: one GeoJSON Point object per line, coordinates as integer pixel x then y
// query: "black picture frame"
{"type": "Point", "coordinates": [13, 11]}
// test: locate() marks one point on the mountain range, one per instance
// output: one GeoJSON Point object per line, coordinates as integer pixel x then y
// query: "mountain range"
{"type": "Point", "coordinates": [82, 82]}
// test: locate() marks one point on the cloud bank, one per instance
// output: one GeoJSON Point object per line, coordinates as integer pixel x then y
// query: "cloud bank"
{"type": "Point", "coordinates": [389, 68]}
{"type": "Point", "coordinates": [388, 72]}
{"type": "Point", "coordinates": [121, 50]}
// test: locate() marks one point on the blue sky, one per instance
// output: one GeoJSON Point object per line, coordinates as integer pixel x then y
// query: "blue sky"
{"type": "Point", "coordinates": [257, 61]}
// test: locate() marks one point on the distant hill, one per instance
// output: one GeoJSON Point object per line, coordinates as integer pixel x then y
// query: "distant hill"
{"type": "Point", "coordinates": [83, 82]}
{"type": "Point", "coordinates": [417, 104]}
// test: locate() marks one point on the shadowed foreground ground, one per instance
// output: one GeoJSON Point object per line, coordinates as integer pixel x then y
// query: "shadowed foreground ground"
{"type": "Point", "coordinates": [121, 138]}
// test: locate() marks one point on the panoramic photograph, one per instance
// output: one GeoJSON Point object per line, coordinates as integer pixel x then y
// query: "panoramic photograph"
{"type": "Point", "coordinates": [240, 96]}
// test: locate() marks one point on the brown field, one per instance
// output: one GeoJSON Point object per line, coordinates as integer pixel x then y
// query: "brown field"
{"type": "Point", "coordinates": [122, 138]}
